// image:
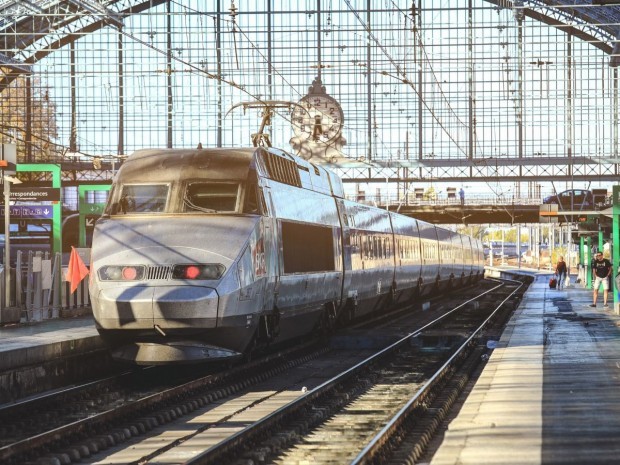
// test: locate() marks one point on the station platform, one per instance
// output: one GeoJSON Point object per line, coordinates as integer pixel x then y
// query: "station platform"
{"type": "Point", "coordinates": [550, 392]}
{"type": "Point", "coordinates": [44, 355]}
{"type": "Point", "coordinates": [43, 341]}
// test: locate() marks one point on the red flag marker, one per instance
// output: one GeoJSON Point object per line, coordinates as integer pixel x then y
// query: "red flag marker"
{"type": "Point", "coordinates": [77, 270]}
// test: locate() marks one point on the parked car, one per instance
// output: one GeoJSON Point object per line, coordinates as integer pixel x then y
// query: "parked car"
{"type": "Point", "coordinates": [572, 199]}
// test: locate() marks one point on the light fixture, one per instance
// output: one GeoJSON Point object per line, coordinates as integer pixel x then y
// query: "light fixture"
{"type": "Point", "coordinates": [12, 180]}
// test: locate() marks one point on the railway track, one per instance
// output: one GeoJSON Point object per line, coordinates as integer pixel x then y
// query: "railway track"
{"type": "Point", "coordinates": [79, 422]}
{"type": "Point", "coordinates": [362, 414]}
{"type": "Point", "coordinates": [139, 418]}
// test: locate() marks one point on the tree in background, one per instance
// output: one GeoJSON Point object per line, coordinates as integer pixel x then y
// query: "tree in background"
{"type": "Point", "coordinates": [474, 230]}
{"type": "Point", "coordinates": [430, 194]}
{"type": "Point", "coordinates": [510, 235]}
{"type": "Point", "coordinates": [33, 131]}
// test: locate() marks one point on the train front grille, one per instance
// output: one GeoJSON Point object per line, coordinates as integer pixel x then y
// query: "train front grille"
{"type": "Point", "coordinates": [159, 272]}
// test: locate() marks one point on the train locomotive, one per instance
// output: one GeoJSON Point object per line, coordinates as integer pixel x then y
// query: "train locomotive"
{"type": "Point", "coordinates": [208, 254]}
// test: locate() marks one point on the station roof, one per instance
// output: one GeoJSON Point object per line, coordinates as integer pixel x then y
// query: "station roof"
{"type": "Point", "coordinates": [26, 26]}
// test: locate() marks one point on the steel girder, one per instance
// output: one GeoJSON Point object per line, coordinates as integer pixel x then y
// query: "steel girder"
{"type": "Point", "coordinates": [26, 24]}
{"type": "Point", "coordinates": [32, 30]}
{"type": "Point", "coordinates": [596, 24]}
{"type": "Point", "coordinates": [484, 169]}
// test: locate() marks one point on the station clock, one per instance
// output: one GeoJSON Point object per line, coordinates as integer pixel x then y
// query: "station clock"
{"type": "Point", "coordinates": [318, 117]}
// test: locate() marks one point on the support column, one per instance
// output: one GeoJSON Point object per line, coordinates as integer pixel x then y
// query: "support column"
{"type": "Point", "coordinates": [470, 80]}
{"type": "Point", "coordinates": [587, 255]}
{"type": "Point", "coordinates": [72, 67]}
{"type": "Point", "coordinates": [369, 77]}
{"type": "Point", "coordinates": [616, 245]}
{"type": "Point", "coordinates": [120, 149]}
{"type": "Point", "coordinates": [218, 54]}
{"type": "Point", "coordinates": [518, 245]}
{"type": "Point", "coordinates": [170, 107]}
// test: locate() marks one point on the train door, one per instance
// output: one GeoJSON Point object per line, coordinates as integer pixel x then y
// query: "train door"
{"type": "Point", "coordinates": [407, 254]}
{"type": "Point", "coordinates": [446, 260]}
{"type": "Point", "coordinates": [468, 260]}
{"type": "Point", "coordinates": [272, 247]}
{"type": "Point", "coordinates": [345, 226]}
{"type": "Point", "coordinates": [459, 258]}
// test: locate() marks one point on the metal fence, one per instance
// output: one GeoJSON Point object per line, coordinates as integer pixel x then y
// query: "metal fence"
{"type": "Point", "coordinates": [415, 198]}
{"type": "Point", "coordinates": [39, 290]}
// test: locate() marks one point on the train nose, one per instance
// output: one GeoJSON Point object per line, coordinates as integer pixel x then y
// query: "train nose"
{"type": "Point", "coordinates": [185, 306]}
{"type": "Point", "coordinates": [160, 308]}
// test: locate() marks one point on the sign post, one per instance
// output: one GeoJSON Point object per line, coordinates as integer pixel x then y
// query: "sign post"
{"type": "Point", "coordinates": [7, 240]}
{"type": "Point", "coordinates": [35, 194]}
{"type": "Point", "coordinates": [8, 159]}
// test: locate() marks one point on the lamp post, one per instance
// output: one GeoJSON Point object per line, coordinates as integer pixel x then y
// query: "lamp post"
{"type": "Point", "coordinates": [8, 180]}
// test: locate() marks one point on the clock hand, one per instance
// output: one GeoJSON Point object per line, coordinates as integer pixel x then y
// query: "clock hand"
{"type": "Point", "coordinates": [317, 129]}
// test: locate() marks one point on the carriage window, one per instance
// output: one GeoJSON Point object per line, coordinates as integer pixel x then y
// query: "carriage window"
{"type": "Point", "coordinates": [250, 204]}
{"type": "Point", "coordinates": [141, 198]}
{"type": "Point", "coordinates": [307, 248]}
{"type": "Point", "coordinates": [211, 197]}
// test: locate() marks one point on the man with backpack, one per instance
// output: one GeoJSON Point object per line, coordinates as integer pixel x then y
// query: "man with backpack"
{"type": "Point", "coordinates": [601, 270]}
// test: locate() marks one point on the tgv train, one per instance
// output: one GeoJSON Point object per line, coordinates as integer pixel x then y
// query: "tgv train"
{"type": "Point", "coordinates": [210, 253]}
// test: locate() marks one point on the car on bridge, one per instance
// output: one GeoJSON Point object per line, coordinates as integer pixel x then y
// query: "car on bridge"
{"type": "Point", "coordinates": [572, 200]}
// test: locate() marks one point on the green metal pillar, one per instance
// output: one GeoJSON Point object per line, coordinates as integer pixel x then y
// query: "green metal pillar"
{"type": "Point", "coordinates": [582, 260]}
{"type": "Point", "coordinates": [587, 257]}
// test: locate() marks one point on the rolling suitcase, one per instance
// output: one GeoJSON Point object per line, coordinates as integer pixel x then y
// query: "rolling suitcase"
{"type": "Point", "coordinates": [553, 283]}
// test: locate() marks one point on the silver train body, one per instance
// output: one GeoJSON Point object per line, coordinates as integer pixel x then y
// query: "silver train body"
{"type": "Point", "coordinates": [205, 254]}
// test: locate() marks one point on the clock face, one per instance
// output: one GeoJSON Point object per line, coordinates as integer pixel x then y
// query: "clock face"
{"type": "Point", "coordinates": [320, 120]}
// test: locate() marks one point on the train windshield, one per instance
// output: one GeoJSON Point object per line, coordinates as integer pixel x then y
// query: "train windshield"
{"type": "Point", "coordinates": [142, 198]}
{"type": "Point", "coordinates": [211, 197]}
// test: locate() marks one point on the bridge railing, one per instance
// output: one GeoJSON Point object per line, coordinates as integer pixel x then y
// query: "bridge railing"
{"type": "Point", "coordinates": [416, 199]}
{"type": "Point", "coordinates": [39, 290]}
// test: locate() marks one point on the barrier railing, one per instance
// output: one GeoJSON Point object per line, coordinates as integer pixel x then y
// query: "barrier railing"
{"type": "Point", "coordinates": [40, 290]}
{"type": "Point", "coordinates": [422, 199]}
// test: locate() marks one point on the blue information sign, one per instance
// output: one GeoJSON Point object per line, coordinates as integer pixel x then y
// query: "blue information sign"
{"type": "Point", "coordinates": [30, 212]}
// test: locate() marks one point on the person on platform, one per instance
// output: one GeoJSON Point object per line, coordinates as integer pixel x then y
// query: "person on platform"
{"type": "Point", "coordinates": [601, 270]}
{"type": "Point", "coordinates": [560, 272]}
{"type": "Point", "coordinates": [462, 196]}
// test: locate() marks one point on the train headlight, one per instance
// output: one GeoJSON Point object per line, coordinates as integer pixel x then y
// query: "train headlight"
{"type": "Point", "coordinates": [121, 273]}
{"type": "Point", "coordinates": [194, 271]}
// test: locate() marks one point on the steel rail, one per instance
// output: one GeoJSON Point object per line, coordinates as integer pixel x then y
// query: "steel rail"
{"type": "Point", "coordinates": [376, 444]}
{"type": "Point", "coordinates": [236, 441]}
{"type": "Point", "coordinates": [150, 401]}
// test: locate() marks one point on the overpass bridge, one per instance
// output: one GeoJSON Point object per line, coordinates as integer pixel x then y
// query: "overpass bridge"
{"type": "Point", "coordinates": [478, 209]}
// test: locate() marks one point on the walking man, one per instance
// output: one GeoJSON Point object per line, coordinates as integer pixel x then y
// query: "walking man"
{"type": "Point", "coordinates": [601, 270]}
{"type": "Point", "coordinates": [560, 271]}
